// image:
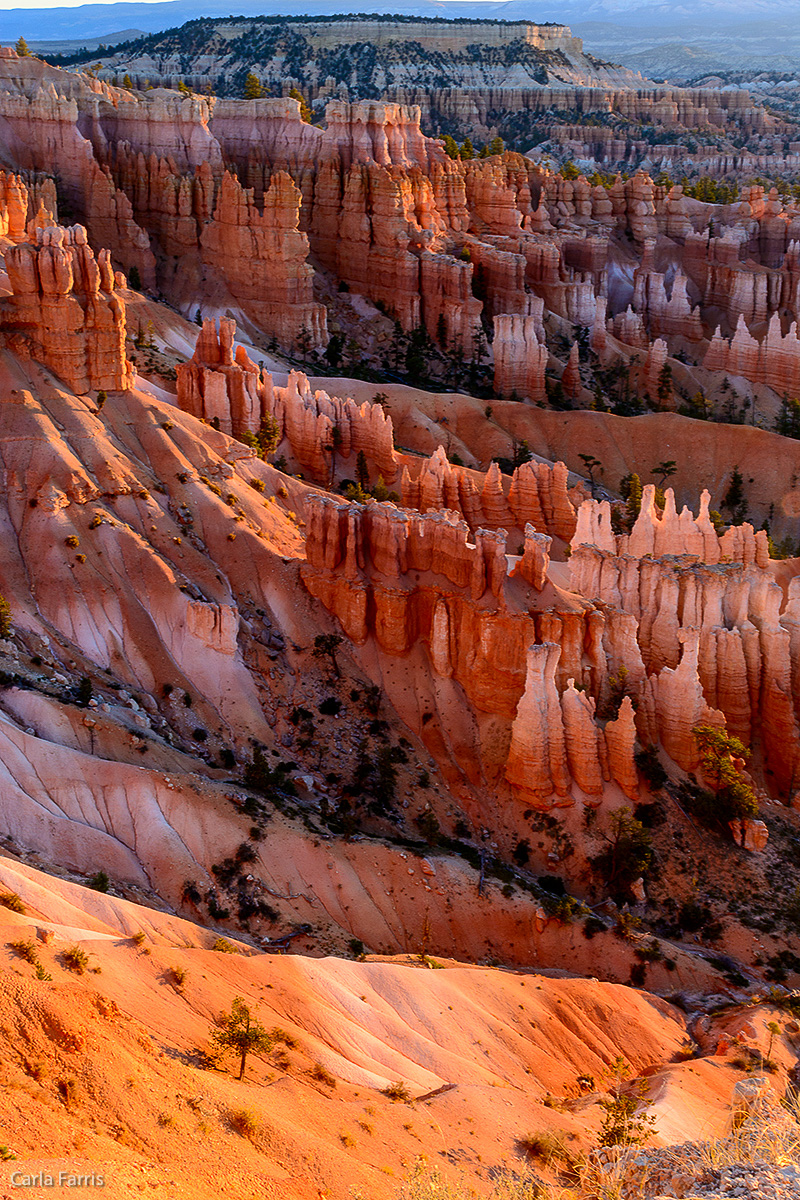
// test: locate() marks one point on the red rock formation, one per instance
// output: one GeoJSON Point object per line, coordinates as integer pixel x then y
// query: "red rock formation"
{"type": "Point", "coordinates": [571, 378]}
{"type": "Point", "coordinates": [14, 205]}
{"type": "Point", "coordinates": [110, 216]}
{"type": "Point", "coordinates": [520, 358]}
{"type": "Point", "coordinates": [681, 706]}
{"type": "Point", "coordinates": [620, 736]}
{"type": "Point", "coordinates": [64, 310]}
{"type": "Point", "coordinates": [537, 494]}
{"type": "Point", "coordinates": [448, 304]}
{"type": "Point", "coordinates": [323, 429]}
{"type": "Point", "coordinates": [228, 390]}
{"type": "Point", "coordinates": [365, 564]}
{"type": "Point", "coordinates": [262, 258]}
{"type": "Point", "coordinates": [221, 389]}
{"type": "Point", "coordinates": [667, 533]}
{"type": "Point", "coordinates": [535, 558]}
{"type": "Point", "coordinates": [537, 760]}
{"type": "Point", "coordinates": [581, 739]}
{"type": "Point", "coordinates": [775, 361]}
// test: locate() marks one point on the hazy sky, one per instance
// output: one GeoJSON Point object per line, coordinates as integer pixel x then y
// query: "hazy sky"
{"type": "Point", "coordinates": [7, 5]}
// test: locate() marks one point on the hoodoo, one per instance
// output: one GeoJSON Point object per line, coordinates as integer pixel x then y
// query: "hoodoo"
{"type": "Point", "coordinates": [400, 494]}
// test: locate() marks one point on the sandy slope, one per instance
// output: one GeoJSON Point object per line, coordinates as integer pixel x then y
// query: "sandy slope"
{"type": "Point", "coordinates": [141, 1104]}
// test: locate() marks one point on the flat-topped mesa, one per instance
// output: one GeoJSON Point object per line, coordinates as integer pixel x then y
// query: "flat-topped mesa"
{"type": "Point", "coordinates": [444, 35]}
{"type": "Point", "coordinates": [537, 495]}
{"type": "Point", "coordinates": [227, 389]}
{"type": "Point", "coordinates": [670, 533]}
{"type": "Point", "coordinates": [520, 358]}
{"type": "Point", "coordinates": [65, 312]}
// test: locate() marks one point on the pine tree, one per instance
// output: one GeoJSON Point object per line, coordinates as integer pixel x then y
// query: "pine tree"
{"type": "Point", "coordinates": [734, 500]}
{"type": "Point", "coordinates": [721, 756]}
{"type": "Point", "coordinates": [467, 150]}
{"type": "Point", "coordinates": [441, 331]}
{"type": "Point", "coordinates": [450, 146]}
{"type": "Point", "coordinates": [664, 471]}
{"type": "Point", "coordinates": [22, 48]}
{"type": "Point", "coordinates": [252, 87]}
{"type": "Point", "coordinates": [788, 422]}
{"type": "Point", "coordinates": [127, 81]}
{"type": "Point", "coordinates": [634, 500]}
{"type": "Point", "coordinates": [496, 145]}
{"type": "Point", "coordinates": [240, 1032]}
{"type": "Point", "coordinates": [305, 111]}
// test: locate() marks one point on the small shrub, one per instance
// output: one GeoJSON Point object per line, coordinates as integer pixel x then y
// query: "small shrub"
{"type": "Point", "coordinates": [5, 619]}
{"type": "Point", "coordinates": [75, 959]}
{"type": "Point", "coordinates": [179, 975]}
{"type": "Point", "coordinates": [67, 1090]}
{"type": "Point", "coordinates": [323, 1075]}
{"type": "Point", "coordinates": [649, 765]}
{"type": "Point", "coordinates": [138, 939]}
{"type": "Point", "coordinates": [99, 882]}
{"type": "Point", "coordinates": [652, 952]}
{"type": "Point", "coordinates": [26, 950]}
{"type": "Point", "coordinates": [72, 540]}
{"type": "Point", "coordinates": [398, 1093]}
{"type": "Point", "coordinates": [347, 1139]}
{"type": "Point", "coordinates": [626, 1121]}
{"type": "Point", "coordinates": [12, 902]}
{"type": "Point", "coordinates": [244, 1121]}
{"type": "Point", "coordinates": [547, 1148]}
{"type": "Point", "coordinates": [224, 947]}
{"type": "Point", "coordinates": [45, 976]}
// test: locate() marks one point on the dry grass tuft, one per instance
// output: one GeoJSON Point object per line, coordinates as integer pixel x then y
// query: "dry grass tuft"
{"type": "Point", "coordinates": [244, 1121]}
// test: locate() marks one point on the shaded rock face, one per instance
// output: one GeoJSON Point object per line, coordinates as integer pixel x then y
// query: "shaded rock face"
{"type": "Point", "coordinates": [64, 310]}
